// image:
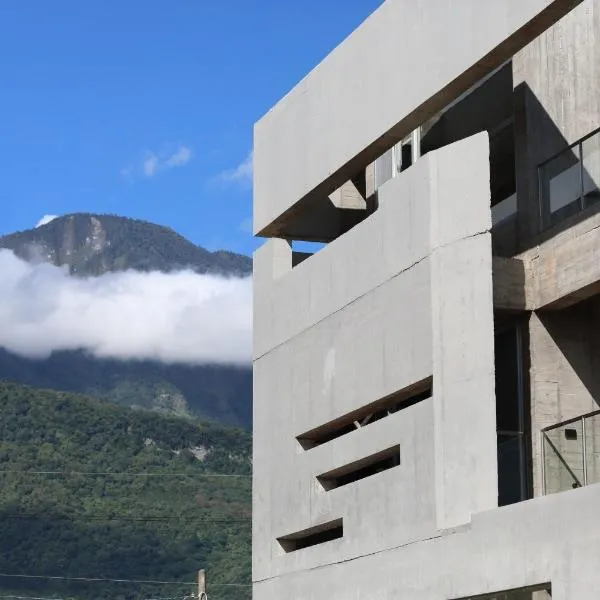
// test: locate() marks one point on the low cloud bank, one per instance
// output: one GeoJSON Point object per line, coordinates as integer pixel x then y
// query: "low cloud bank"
{"type": "Point", "coordinates": [178, 317]}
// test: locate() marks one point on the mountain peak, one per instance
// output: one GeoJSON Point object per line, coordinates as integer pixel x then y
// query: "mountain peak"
{"type": "Point", "coordinates": [91, 244]}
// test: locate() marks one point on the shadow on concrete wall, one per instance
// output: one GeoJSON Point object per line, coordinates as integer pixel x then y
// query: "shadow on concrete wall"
{"type": "Point", "coordinates": [537, 140]}
{"type": "Point", "coordinates": [574, 331]}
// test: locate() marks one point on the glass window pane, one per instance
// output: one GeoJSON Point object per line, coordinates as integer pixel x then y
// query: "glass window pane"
{"type": "Point", "coordinates": [591, 170]}
{"type": "Point", "coordinates": [592, 448]}
{"type": "Point", "coordinates": [561, 186]}
{"type": "Point", "coordinates": [563, 453]}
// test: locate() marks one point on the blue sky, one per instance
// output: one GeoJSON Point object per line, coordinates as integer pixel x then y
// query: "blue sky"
{"type": "Point", "coordinates": [145, 108]}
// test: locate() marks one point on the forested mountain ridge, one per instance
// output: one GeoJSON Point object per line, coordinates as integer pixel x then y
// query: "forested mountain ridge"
{"type": "Point", "coordinates": [94, 490]}
{"type": "Point", "coordinates": [91, 245]}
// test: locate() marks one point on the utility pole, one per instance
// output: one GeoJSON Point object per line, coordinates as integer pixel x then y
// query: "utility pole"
{"type": "Point", "coordinates": [201, 588]}
{"type": "Point", "coordinates": [202, 585]}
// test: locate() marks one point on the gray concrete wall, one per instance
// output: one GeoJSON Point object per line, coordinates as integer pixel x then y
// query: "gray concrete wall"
{"type": "Point", "coordinates": [404, 296]}
{"type": "Point", "coordinates": [317, 137]}
{"type": "Point", "coordinates": [553, 539]}
{"type": "Point", "coordinates": [557, 86]}
{"type": "Point", "coordinates": [565, 382]}
{"type": "Point", "coordinates": [407, 295]}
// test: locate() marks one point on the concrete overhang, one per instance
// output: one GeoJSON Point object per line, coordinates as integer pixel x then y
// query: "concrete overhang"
{"type": "Point", "coordinates": [566, 269]}
{"type": "Point", "coordinates": [404, 64]}
{"type": "Point", "coordinates": [556, 274]}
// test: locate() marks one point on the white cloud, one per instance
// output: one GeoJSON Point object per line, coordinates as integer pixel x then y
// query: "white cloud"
{"type": "Point", "coordinates": [46, 219]}
{"type": "Point", "coordinates": [178, 317]}
{"type": "Point", "coordinates": [179, 158]}
{"type": "Point", "coordinates": [242, 173]}
{"type": "Point", "coordinates": [154, 162]}
{"type": "Point", "coordinates": [150, 165]}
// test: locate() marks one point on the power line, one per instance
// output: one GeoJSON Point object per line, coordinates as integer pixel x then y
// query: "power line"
{"type": "Point", "coordinates": [109, 580]}
{"type": "Point", "coordinates": [122, 474]}
{"type": "Point", "coordinates": [39, 598]}
{"type": "Point", "coordinates": [146, 519]}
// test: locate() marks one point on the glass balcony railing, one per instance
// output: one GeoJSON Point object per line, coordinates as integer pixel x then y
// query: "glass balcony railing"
{"type": "Point", "coordinates": [570, 181]}
{"type": "Point", "coordinates": [572, 453]}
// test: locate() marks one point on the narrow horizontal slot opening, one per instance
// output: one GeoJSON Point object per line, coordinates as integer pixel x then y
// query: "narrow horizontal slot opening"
{"type": "Point", "coordinates": [361, 469]}
{"type": "Point", "coordinates": [366, 415]}
{"type": "Point", "coordinates": [319, 534]}
{"type": "Point", "coordinates": [515, 594]}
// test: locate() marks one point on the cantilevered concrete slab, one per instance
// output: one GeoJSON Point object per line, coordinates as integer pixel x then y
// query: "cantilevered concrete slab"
{"type": "Point", "coordinates": [403, 65]}
{"type": "Point", "coordinates": [565, 269]}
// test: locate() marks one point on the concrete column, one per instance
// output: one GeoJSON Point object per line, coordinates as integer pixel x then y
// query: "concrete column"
{"type": "Point", "coordinates": [463, 332]}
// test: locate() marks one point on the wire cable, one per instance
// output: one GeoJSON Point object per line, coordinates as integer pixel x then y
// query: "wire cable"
{"type": "Point", "coordinates": [109, 580]}
{"type": "Point", "coordinates": [123, 474]}
{"type": "Point", "coordinates": [147, 519]}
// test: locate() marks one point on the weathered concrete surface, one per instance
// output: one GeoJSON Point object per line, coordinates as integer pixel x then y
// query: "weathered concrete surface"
{"type": "Point", "coordinates": [556, 274]}
{"type": "Point", "coordinates": [462, 315]}
{"type": "Point", "coordinates": [331, 337]}
{"type": "Point", "coordinates": [565, 371]}
{"type": "Point", "coordinates": [509, 284]}
{"type": "Point", "coordinates": [554, 539]}
{"type": "Point", "coordinates": [562, 271]}
{"type": "Point", "coordinates": [557, 84]}
{"type": "Point", "coordinates": [389, 242]}
{"type": "Point", "coordinates": [317, 137]}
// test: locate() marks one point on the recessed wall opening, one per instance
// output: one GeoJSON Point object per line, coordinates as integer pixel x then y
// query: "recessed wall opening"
{"type": "Point", "coordinates": [513, 425]}
{"type": "Point", "coordinates": [361, 469]}
{"type": "Point", "coordinates": [303, 250]}
{"type": "Point", "coordinates": [367, 414]}
{"type": "Point", "coordinates": [534, 592]}
{"type": "Point", "coordinates": [314, 536]}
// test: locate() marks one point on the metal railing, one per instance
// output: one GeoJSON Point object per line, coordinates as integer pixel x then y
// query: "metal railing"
{"type": "Point", "coordinates": [569, 182]}
{"type": "Point", "coordinates": [571, 453]}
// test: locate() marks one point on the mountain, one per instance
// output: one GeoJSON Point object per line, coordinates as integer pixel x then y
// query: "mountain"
{"type": "Point", "coordinates": [90, 245]}
{"type": "Point", "coordinates": [160, 516]}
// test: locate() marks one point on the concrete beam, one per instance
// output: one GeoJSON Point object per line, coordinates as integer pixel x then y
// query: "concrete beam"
{"type": "Point", "coordinates": [509, 284]}
{"type": "Point", "coordinates": [566, 269]}
{"type": "Point", "coordinates": [558, 273]}
{"type": "Point", "coordinates": [302, 154]}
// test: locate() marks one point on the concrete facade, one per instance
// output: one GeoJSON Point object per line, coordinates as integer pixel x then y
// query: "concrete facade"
{"type": "Point", "coordinates": [436, 361]}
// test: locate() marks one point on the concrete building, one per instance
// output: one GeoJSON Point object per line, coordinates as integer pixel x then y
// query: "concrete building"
{"type": "Point", "coordinates": [426, 385]}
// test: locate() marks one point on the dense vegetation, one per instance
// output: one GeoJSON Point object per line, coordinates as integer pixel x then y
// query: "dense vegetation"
{"type": "Point", "coordinates": [90, 245]}
{"type": "Point", "coordinates": [219, 393]}
{"type": "Point", "coordinates": [139, 523]}
{"type": "Point", "coordinates": [94, 244]}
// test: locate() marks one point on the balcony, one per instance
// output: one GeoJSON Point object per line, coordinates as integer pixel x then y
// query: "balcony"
{"type": "Point", "coordinates": [569, 182]}
{"type": "Point", "coordinates": [571, 456]}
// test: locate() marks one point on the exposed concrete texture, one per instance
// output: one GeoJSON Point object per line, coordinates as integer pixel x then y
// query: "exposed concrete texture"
{"type": "Point", "coordinates": [556, 78]}
{"type": "Point", "coordinates": [404, 295]}
{"type": "Point", "coordinates": [316, 138]}
{"type": "Point", "coordinates": [558, 273]}
{"type": "Point", "coordinates": [565, 371]}
{"type": "Point", "coordinates": [463, 331]}
{"type": "Point", "coordinates": [390, 241]}
{"type": "Point", "coordinates": [331, 337]}
{"type": "Point", "coordinates": [509, 284]}
{"type": "Point", "coordinates": [554, 539]}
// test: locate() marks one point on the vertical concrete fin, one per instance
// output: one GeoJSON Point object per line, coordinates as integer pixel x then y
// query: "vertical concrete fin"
{"type": "Point", "coordinates": [463, 332]}
{"type": "Point", "coordinates": [271, 261]}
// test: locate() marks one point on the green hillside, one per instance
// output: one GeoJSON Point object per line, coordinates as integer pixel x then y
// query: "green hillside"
{"type": "Point", "coordinates": [218, 393]}
{"type": "Point", "coordinates": [142, 522]}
